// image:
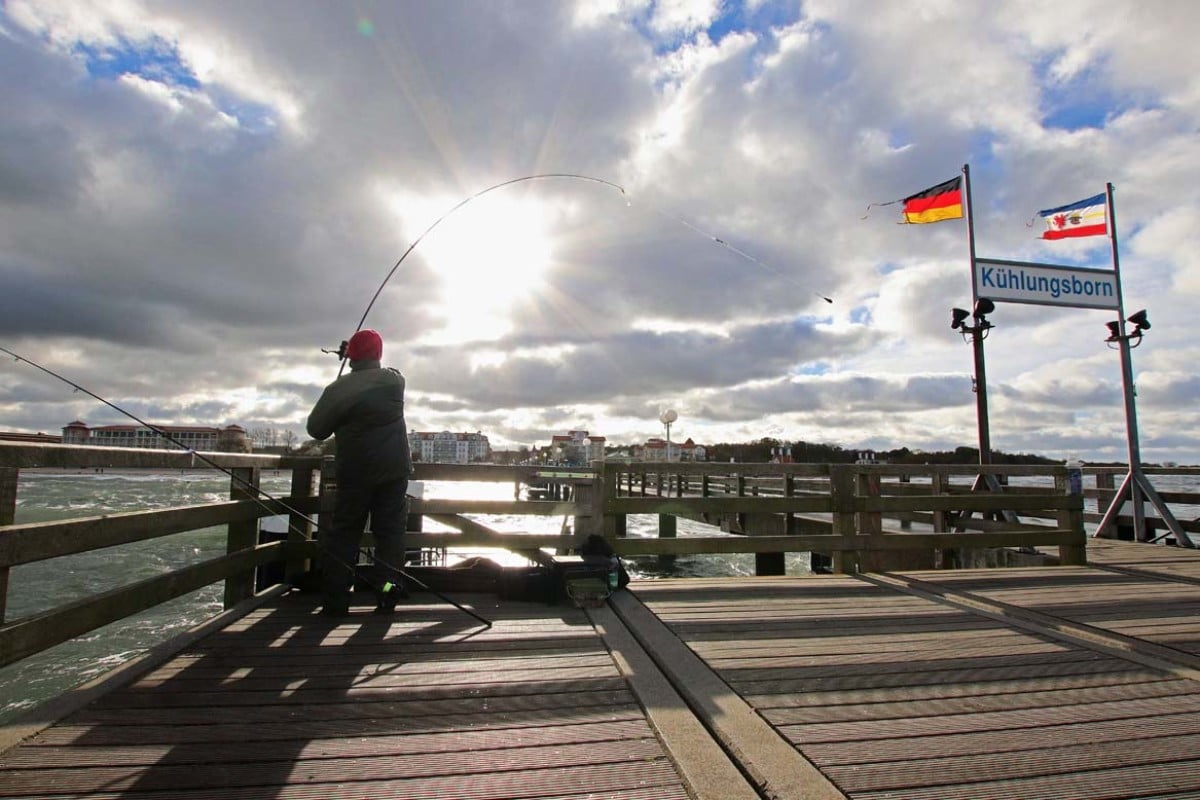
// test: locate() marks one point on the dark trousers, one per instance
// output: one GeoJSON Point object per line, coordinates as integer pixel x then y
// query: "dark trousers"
{"type": "Point", "coordinates": [385, 504]}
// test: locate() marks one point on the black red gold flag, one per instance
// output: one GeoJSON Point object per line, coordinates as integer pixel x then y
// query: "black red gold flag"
{"type": "Point", "coordinates": [936, 203]}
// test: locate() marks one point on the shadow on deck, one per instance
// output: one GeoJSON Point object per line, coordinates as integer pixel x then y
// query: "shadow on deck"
{"type": "Point", "coordinates": [1059, 682]}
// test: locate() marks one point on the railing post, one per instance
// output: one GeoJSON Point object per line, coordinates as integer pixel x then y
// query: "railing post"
{"type": "Point", "coordinates": [590, 501]}
{"type": "Point", "coordinates": [936, 488]}
{"type": "Point", "coordinates": [243, 535]}
{"type": "Point", "coordinates": [740, 517]}
{"type": "Point", "coordinates": [766, 563]}
{"type": "Point", "coordinates": [841, 488]}
{"type": "Point", "coordinates": [1072, 555]}
{"type": "Point", "coordinates": [667, 523]}
{"type": "Point", "coordinates": [300, 529]}
{"type": "Point", "coordinates": [8, 515]}
{"type": "Point", "coordinates": [944, 557]}
{"type": "Point", "coordinates": [869, 523]}
{"type": "Point", "coordinates": [789, 490]}
{"type": "Point", "coordinates": [608, 478]}
{"type": "Point", "coordinates": [327, 499]}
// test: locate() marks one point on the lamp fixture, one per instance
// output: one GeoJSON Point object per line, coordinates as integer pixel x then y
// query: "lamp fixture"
{"type": "Point", "coordinates": [958, 319]}
{"type": "Point", "coordinates": [1141, 323]}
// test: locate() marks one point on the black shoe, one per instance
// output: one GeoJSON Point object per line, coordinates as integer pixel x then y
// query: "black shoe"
{"type": "Point", "coordinates": [385, 609]}
{"type": "Point", "coordinates": [335, 610]}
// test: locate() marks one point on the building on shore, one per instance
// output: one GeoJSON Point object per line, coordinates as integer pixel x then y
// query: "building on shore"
{"type": "Point", "coordinates": [656, 449]}
{"type": "Point", "coordinates": [230, 439]}
{"type": "Point", "coordinates": [449, 448]}
{"type": "Point", "coordinates": [577, 448]}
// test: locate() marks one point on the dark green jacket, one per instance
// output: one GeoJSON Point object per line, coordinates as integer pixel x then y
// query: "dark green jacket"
{"type": "Point", "coordinates": [364, 409]}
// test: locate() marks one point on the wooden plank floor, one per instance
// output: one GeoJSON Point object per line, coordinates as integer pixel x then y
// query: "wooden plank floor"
{"type": "Point", "coordinates": [1046, 683]}
{"type": "Point", "coordinates": [426, 704]}
{"type": "Point", "coordinates": [895, 689]}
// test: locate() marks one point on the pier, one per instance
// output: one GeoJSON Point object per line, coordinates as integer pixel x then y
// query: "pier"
{"type": "Point", "coordinates": [1074, 672]}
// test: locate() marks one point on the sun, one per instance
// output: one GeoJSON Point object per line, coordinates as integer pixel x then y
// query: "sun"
{"type": "Point", "coordinates": [486, 256]}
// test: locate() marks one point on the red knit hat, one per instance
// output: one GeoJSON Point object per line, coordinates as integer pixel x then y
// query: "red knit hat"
{"type": "Point", "coordinates": [365, 345]}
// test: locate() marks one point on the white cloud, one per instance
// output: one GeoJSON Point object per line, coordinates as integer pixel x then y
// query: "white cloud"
{"type": "Point", "coordinates": [186, 233]}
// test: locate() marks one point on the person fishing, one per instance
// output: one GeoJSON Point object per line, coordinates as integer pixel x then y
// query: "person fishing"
{"type": "Point", "coordinates": [364, 412]}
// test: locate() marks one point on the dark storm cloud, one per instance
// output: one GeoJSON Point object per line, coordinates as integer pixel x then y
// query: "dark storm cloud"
{"type": "Point", "coordinates": [631, 364]}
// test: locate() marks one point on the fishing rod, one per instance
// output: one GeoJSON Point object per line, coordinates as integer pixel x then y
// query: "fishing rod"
{"type": "Point", "coordinates": [341, 352]}
{"type": "Point", "coordinates": [387, 588]}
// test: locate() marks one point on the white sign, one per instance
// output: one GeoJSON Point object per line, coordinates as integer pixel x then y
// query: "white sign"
{"type": "Point", "coordinates": [1045, 284]}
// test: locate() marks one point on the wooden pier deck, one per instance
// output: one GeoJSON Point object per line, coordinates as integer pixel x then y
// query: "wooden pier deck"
{"type": "Point", "coordinates": [1051, 682]}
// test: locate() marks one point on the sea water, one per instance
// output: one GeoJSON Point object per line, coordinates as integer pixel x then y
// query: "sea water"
{"type": "Point", "coordinates": [54, 495]}
{"type": "Point", "coordinates": [50, 495]}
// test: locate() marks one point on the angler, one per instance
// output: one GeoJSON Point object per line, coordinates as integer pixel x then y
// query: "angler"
{"type": "Point", "coordinates": [365, 411]}
{"type": "Point", "coordinates": [266, 500]}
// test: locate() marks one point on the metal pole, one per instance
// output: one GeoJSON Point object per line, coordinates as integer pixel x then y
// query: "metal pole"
{"type": "Point", "coordinates": [981, 405]}
{"type": "Point", "coordinates": [1131, 427]}
{"type": "Point", "coordinates": [1139, 487]}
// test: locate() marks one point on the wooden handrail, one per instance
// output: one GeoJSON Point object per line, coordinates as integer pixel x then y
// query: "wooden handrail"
{"type": "Point", "coordinates": [773, 508]}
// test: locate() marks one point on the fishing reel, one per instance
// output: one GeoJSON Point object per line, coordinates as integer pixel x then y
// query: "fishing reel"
{"type": "Point", "coordinates": [341, 351]}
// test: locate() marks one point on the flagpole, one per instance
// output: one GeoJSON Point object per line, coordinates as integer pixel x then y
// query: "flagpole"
{"type": "Point", "coordinates": [981, 403]}
{"type": "Point", "coordinates": [1136, 484]}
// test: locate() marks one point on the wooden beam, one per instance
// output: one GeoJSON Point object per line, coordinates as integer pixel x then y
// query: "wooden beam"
{"type": "Point", "coordinates": [31, 635]}
{"type": "Point", "coordinates": [35, 541]}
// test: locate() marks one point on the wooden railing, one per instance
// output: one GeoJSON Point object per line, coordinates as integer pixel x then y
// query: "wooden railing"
{"type": "Point", "coordinates": [840, 510]}
{"type": "Point", "coordinates": [763, 509]}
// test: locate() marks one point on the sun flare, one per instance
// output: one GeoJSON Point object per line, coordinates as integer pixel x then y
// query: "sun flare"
{"type": "Point", "coordinates": [488, 255]}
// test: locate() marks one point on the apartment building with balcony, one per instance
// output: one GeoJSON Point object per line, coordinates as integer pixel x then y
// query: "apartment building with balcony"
{"type": "Point", "coordinates": [230, 439]}
{"type": "Point", "coordinates": [449, 448]}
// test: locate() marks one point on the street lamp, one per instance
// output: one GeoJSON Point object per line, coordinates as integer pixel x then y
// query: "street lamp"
{"type": "Point", "coordinates": [666, 418]}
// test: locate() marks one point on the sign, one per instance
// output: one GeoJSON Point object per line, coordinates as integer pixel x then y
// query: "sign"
{"type": "Point", "coordinates": [1045, 284]}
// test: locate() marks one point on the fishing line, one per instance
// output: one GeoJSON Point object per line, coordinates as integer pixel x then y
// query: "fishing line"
{"type": "Point", "coordinates": [741, 253]}
{"type": "Point", "coordinates": [341, 351]}
{"type": "Point", "coordinates": [258, 493]}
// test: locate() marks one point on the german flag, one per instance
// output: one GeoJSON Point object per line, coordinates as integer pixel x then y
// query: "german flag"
{"type": "Point", "coordinates": [936, 203]}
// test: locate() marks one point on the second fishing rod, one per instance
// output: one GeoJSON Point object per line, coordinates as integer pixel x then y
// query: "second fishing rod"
{"type": "Point", "coordinates": [264, 499]}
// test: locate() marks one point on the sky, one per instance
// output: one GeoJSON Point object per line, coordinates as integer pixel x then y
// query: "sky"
{"type": "Point", "coordinates": [197, 198]}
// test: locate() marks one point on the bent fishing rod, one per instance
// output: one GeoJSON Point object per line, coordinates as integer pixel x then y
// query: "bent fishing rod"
{"type": "Point", "coordinates": [341, 352]}
{"type": "Point", "coordinates": [256, 493]}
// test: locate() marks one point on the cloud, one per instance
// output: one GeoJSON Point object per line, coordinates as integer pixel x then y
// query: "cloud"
{"type": "Point", "coordinates": [195, 198]}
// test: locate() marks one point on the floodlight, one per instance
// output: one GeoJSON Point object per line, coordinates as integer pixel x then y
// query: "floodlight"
{"type": "Point", "coordinates": [983, 307]}
{"type": "Point", "coordinates": [957, 316]}
{"type": "Point", "coordinates": [1140, 320]}
{"type": "Point", "coordinates": [1114, 331]}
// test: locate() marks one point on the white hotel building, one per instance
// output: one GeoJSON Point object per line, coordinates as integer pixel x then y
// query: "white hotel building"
{"type": "Point", "coordinates": [230, 439]}
{"type": "Point", "coordinates": [449, 448]}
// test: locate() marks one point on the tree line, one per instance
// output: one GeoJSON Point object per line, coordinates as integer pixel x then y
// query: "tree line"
{"type": "Point", "coordinates": [765, 450]}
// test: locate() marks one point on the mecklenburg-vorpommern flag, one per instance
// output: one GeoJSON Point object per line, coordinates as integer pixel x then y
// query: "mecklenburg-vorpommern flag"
{"type": "Point", "coordinates": [936, 203]}
{"type": "Point", "coordinates": [1086, 218]}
